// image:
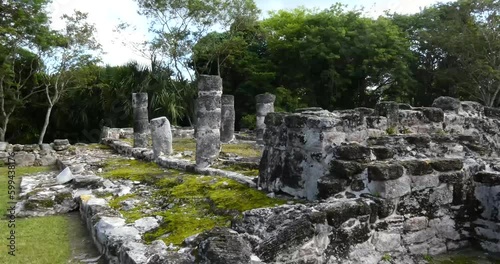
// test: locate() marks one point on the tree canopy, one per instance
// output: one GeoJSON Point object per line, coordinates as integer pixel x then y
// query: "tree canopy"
{"type": "Point", "coordinates": [333, 58]}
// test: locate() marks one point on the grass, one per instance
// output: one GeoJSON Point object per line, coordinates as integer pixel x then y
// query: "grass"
{"type": "Point", "coordinates": [133, 170]}
{"type": "Point", "coordinates": [41, 240]}
{"type": "Point", "coordinates": [239, 168]}
{"type": "Point", "coordinates": [243, 150]}
{"type": "Point", "coordinates": [184, 144]}
{"type": "Point", "coordinates": [97, 146]}
{"type": "Point", "coordinates": [191, 203]}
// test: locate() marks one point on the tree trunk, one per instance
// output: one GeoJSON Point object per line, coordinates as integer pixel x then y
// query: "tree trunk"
{"type": "Point", "coordinates": [45, 125]}
{"type": "Point", "coordinates": [3, 129]}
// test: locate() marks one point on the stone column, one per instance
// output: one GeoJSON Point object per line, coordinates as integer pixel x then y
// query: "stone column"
{"type": "Point", "coordinates": [227, 114]}
{"type": "Point", "coordinates": [390, 110]}
{"type": "Point", "coordinates": [208, 120]}
{"type": "Point", "coordinates": [104, 133]}
{"type": "Point", "coordinates": [265, 105]}
{"type": "Point", "coordinates": [141, 120]}
{"type": "Point", "coordinates": [161, 135]}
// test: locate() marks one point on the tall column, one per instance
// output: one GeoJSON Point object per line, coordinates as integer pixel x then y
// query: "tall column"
{"type": "Point", "coordinates": [161, 135]}
{"type": "Point", "coordinates": [208, 120]}
{"type": "Point", "coordinates": [265, 105]}
{"type": "Point", "coordinates": [141, 121]}
{"type": "Point", "coordinates": [227, 114]}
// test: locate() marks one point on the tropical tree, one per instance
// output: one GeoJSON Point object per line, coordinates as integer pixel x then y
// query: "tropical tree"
{"type": "Point", "coordinates": [24, 32]}
{"type": "Point", "coordinates": [76, 48]}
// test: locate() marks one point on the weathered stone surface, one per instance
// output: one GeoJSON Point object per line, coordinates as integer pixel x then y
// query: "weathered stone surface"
{"type": "Point", "coordinates": [433, 114]}
{"type": "Point", "coordinates": [65, 176]}
{"type": "Point", "coordinates": [452, 177]}
{"type": "Point", "coordinates": [446, 164]}
{"type": "Point", "coordinates": [228, 118]}
{"type": "Point", "coordinates": [383, 153]}
{"type": "Point", "coordinates": [161, 135]}
{"type": "Point", "coordinates": [353, 151]}
{"type": "Point", "coordinates": [345, 169]}
{"type": "Point", "coordinates": [492, 112]}
{"type": "Point", "coordinates": [488, 178]}
{"type": "Point", "coordinates": [389, 110]}
{"type": "Point", "coordinates": [391, 188]}
{"type": "Point", "coordinates": [473, 107]}
{"type": "Point", "coordinates": [46, 147]}
{"type": "Point", "coordinates": [385, 207]}
{"type": "Point", "coordinates": [224, 246]}
{"type": "Point", "coordinates": [328, 186]}
{"type": "Point", "coordinates": [141, 119]}
{"type": "Point", "coordinates": [384, 171]}
{"type": "Point", "coordinates": [146, 224]}
{"type": "Point", "coordinates": [23, 159]}
{"type": "Point", "coordinates": [208, 120]}
{"type": "Point", "coordinates": [441, 195]}
{"type": "Point", "coordinates": [61, 144]}
{"type": "Point", "coordinates": [387, 242]}
{"type": "Point", "coordinates": [419, 236]}
{"type": "Point", "coordinates": [3, 146]}
{"type": "Point", "coordinates": [447, 103]}
{"type": "Point", "coordinates": [417, 167]}
{"type": "Point", "coordinates": [264, 105]}
{"type": "Point", "coordinates": [416, 223]}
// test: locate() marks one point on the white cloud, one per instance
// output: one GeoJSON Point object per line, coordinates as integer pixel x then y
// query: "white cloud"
{"type": "Point", "coordinates": [107, 14]}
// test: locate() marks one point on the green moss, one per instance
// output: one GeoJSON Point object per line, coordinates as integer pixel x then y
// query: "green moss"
{"type": "Point", "coordinates": [60, 197]}
{"type": "Point", "coordinates": [34, 204]}
{"type": "Point", "coordinates": [406, 130]}
{"type": "Point", "coordinates": [192, 203]}
{"type": "Point", "coordinates": [116, 202]}
{"type": "Point", "coordinates": [391, 130]}
{"type": "Point", "coordinates": [386, 257]}
{"type": "Point", "coordinates": [184, 144]}
{"type": "Point", "coordinates": [243, 150]}
{"type": "Point", "coordinates": [239, 168]}
{"type": "Point", "coordinates": [131, 170]}
{"type": "Point", "coordinates": [184, 221]}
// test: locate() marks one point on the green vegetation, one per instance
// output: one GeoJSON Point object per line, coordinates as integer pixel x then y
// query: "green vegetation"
{"type": "Point", "coordinates": [131, 169]}
{"type": "Point", "coordinates": [240, 168]}
{"type": "Point", "coordinates": [243, 150]}
{"type": "Point", "coordinates": [20, 171]}
{"type": "Point", "coordinates": [445, 49]}
{"type": "Point", "coordinates": [249, 121]}
{"type": "Point", "coordinates": [41, 240]}
{"type": "Point", "coordinates": [387, 257]}
{"type": "Point", "coordinates": [184, 144]}
{"type": "Point", "coordinates": [193, 203]}
{"type": "Point", "coordinates": [391, 131]}
{"type": "Point", "coordinates": [97, 146]}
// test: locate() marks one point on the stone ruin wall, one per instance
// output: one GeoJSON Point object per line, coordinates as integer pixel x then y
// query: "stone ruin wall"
{"type": "Point", "coordinates": [431, 174]}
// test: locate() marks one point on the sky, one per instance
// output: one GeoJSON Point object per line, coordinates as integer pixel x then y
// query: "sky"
{"type": "Point", "coordinates": [119, 47]}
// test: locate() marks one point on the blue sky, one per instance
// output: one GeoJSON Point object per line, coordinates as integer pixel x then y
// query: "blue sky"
{"type": "Point", "coordinates": [106, 14]}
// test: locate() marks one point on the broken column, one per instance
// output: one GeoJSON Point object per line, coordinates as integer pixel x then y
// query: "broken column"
{"type": "Point", "coordinates": [162, 136]}
{"type": "Point", "coordinates": [265, 105]}
{"type": "Point", "coordinates": [208, 120]}
{"type": "Point", "coordinates": [141, 122]}
{"type": "Point", "coordinates": [227, 114]}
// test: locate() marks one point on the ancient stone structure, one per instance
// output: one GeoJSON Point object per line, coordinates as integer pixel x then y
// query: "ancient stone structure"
{"type": "Point", "coordinates": [395, 180]}
{"type": "Point", "coordinates": [161, 135]}
{"type": "Point", "coordinates": [208, 120]}
{"type": "Point", "coordinates": [141, 120]}
{"type": "Point", "coordinates": [228, 117]}
{"type": "Point", "coordinates": [32, 154]}
{"type": "Point", "coordinates": [265, 105]}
